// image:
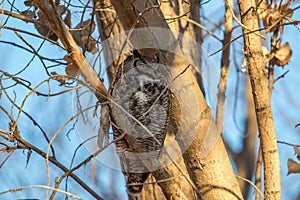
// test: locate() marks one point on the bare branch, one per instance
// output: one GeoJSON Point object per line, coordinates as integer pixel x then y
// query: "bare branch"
{"type": "Point", "coordinates": [58, 27]}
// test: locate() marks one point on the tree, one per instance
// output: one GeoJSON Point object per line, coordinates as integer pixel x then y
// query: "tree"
{"type": "Point", "coordinates": [104, 59]}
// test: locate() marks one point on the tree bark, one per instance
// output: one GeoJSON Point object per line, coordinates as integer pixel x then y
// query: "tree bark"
{"type": "Point", "coordinates": [211, 173]}
{"type": "Point", "coordinates": [261, 96]}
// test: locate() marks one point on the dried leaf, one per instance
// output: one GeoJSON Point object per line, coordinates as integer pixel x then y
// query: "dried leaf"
{"type": "Point", "coordinates": [267, 55]}
{"type": "Point", "coordinates": [28, 13]}
{"type": "Point", "coordinates": [57, 2]}
{"type": "Point", "coordinates": [103, 132]}
{"type": "Point", "coordinates": [89, 44]}
{"type": "Point", "coordinates": [270, 20]}
{"type": "Point", "coordinates": [293, 167]}
{"type": "Point", "coordinates": [28, 157]}
{"type": "Point", "coordinates": [272, 17]}
{"type": "Point", "coordinates": [286, 11]}
{"type": "Point", "coordinates": [283, 55]}
{"type": "Point", "coordinates": [297, 152]}
{"type": "Point", "coordinates": [103, 140]}
{"type": "Point", "coordinates": [67, 58]}
{"type": "Point", "coordinates": [61, 10]}
{"type": "Point", "coordinates": [67, 19]}
{"type": "Point", "coordinates": [42, 26]}
{"type": "Point", "coordinates": [86, 27]}
{"type": "Point", "coordinates": [82, 36]}
{"type": "Point", "coordinates": [28, 3]}
{"type": "Point", "coordinates": [42, 17]}
{"type": "Point", "coordinates": [286, 14]}
{"type": "Point", "coordinates": [45, 31]}
{"type": "Point", "coordinates": [72, 70]}
{"type": "Point", "coordinates": [61, 79]}
{"type": "Point", "coordinates": [263, 9]}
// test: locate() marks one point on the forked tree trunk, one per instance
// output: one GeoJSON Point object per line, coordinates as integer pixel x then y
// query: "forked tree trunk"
{"type": "Point", "coordinates": [212, 174]}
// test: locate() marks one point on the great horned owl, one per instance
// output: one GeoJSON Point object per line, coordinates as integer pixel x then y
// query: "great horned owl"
{"type": "Point", "coordinates": [140, 110]}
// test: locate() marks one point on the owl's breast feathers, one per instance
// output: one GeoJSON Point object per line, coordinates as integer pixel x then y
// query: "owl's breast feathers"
{"type": "Point", "coordinates": [143, 120]}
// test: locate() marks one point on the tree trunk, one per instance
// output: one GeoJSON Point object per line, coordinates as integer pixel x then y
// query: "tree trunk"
{"type": "Point", "coordinates": [261, 95]}
{"type": "Point", "coordinates": [211, 173]}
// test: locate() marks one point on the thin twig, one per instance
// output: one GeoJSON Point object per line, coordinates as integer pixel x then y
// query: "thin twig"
{"type": "Point", "coordinates": [253, 185]}
{"type": "Point", "coordinates": [18, 81]}
{"type": "Point", "coordinates": [18, 16]}
{"type": "Point", "coordinates": [39, 186]}
{"type": "Point", "coordinates": [287, 143]}
{"type": "Point", "coordinates": [233, 40]}
{"type": "Point", "coordinates": [281, 76]}
{"type": "Point", "coordinates": [155, 182]}
{"type": "Point", "coordinates": [33, 35]}
{"type": "Point", "coordinates": [88, 159]}
{"type": "Point", "coordinates": [242, 25]}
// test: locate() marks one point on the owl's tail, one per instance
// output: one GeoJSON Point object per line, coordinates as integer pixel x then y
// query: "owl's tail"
{"type": "Point", "coordinates": [135, 182]}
